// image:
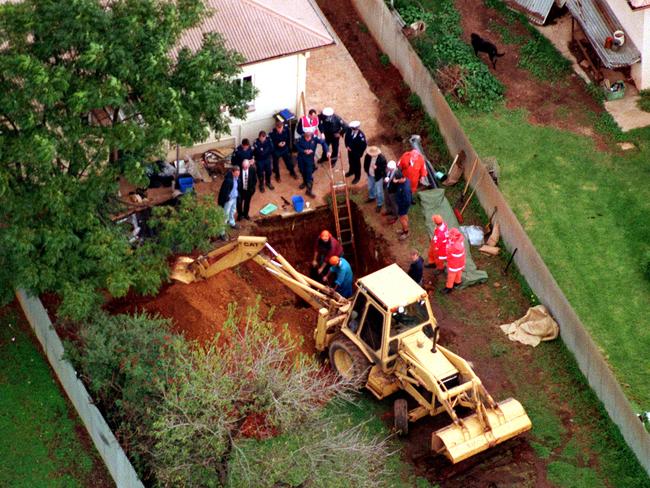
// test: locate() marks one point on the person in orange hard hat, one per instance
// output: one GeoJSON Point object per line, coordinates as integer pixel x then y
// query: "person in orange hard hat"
{"type": "Point", "coordinates": [343, 281]}
{"type": "Point", "coordinates": [438, 245]}
{"type": "Point", "coordinates": [326, 246]}
{"type": "Point", "coordinates": [455, 260]}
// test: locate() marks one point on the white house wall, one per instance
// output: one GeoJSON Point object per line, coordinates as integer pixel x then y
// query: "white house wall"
{"type": "Point", "coordinates": [636, 24]}
{"type": "Point", "coordinates": [279, 83]}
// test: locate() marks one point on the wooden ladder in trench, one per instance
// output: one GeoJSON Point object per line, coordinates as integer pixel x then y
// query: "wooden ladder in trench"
{"type": "Point", "coordinates": [340, 193]}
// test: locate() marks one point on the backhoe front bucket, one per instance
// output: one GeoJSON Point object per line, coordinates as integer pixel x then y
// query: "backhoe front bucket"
{"type": "Point", "coordinates": [459, 442]}
{"type": "Point", "coordinates": [181, 272]}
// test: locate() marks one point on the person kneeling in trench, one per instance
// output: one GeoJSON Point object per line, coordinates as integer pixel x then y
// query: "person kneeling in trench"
{"type": "Point", "coordinates": [326, 246]}
{"type": "Point", "coordinates": [343, 282]}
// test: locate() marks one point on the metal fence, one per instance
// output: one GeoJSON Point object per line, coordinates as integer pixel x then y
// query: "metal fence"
{"type": "Point", "coordinates": [109, 449]}
{"type": "Point", "coordinates": [385, 28]}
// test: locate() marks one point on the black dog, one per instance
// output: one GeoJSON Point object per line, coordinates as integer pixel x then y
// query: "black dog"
{"type": "Point", "coordinates": [481, 45]}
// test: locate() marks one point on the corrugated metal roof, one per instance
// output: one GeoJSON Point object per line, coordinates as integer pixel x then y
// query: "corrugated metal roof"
{"type": "Point", "coordinates": [535, 10]}
{"type": "Point", "coordinates": [261, 29]}
{"type": "Point", "coordinates": [599, 22]}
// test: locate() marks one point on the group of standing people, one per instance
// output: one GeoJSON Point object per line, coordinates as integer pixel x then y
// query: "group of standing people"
{"type": "Point", "coordinates": [252, 167]}
{"type": "Point", "coordinates": [391, 185]}
{"type": "Point", "coordinates": [447, 247]}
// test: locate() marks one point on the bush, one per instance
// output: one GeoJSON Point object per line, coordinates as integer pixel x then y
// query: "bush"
{"type": "Point", "coordinates": [251, 385]}
{"type": "Point", "coordinates": [644, 101]}
{"type": "Point", "coordinates": [442, 45]}
{"type": "Point", "coordinates": [544, 62]}
{"type": "Point", "coordinates": [124, 361]}
{"type": "Point", "coordinates": [384, 59]}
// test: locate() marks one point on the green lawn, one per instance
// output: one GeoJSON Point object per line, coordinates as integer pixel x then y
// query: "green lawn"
{"type": "Point", "coordinates": [588, 213]}
{"type": "Point", "coordinates": [38, 442]}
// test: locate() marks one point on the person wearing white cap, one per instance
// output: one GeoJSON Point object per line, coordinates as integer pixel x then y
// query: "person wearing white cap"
{"type": "Point", "coordinates": [306, 147]}
{"type": "Point", "coordinates": [389, 192]}
{"type": "Point", "coordinates": [355, 143]}
{"type": "Point", "coordinates": [331, 126]}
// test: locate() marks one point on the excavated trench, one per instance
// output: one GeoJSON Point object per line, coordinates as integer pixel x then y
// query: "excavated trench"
{"type": "Point", "coordinates": [199, 309]}
{"type": "Point", "coordinates": [294, 237]}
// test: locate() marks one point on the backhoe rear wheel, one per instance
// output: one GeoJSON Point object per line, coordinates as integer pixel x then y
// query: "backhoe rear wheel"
{"type": "Point", "coordinates": [401, 414]}
{"type": "Point", "coordinates": [348, 361]}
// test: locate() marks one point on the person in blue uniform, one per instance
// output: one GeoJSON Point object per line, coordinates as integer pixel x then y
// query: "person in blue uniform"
{"type": "Point", "coordinates": [243, 151]}
{"type": "Point", "coordinates": [280, 138]}
{"type": "Point", "coordinates": [343, 282]}
{"type": "Point", "coordinates": [331, 127]}
{"type": "Point", "coordinates": [306, 147]}
{"type": "Point", "coordinates": [416, 269]}
{"type": "Point", "coordinates": [263, 152]}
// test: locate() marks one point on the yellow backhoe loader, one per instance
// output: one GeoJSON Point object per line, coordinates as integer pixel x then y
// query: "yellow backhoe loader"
{"type": "Point", "coordinates": [387, 338]}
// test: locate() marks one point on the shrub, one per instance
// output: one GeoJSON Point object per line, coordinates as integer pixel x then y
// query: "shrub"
{"type": "Point", "coordinates": [644, 101]}
{"type": "Point", "coordinates": [544, 62]}
{"type": "Point", "coordinates": [384, 59]}
{"type": "Point", "coordinates": [125, 360]}
{"type": "Point", "coordinates": [254, 384]}
{"type": "Point", "coordinates": [442, 45]}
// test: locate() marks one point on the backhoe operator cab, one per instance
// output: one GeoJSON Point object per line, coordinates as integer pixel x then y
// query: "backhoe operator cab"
{"type": "Point", "coordinates": [387, 308]}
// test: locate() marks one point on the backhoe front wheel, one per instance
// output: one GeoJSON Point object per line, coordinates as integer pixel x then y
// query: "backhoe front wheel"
{"type": "Point", "coordinates": [348, 361]}
{"type": "Point", "coordinates": [401, 414]}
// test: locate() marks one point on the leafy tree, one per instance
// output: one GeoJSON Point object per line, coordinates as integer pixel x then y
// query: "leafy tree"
{"type": "Point", "coordinates": [90, 90]}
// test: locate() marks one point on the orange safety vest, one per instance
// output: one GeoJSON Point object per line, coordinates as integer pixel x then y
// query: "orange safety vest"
{"type": "Point", "coordinates": [440, 240]}
{"type": "Point", "coordinates": [456, 255]}
{"type": "Point", "coordinates": [310, 122]}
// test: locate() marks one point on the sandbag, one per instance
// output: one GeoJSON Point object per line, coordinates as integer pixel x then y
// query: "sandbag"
{"type": "Point", "coordinates": [536, 326]}
{"type": "Point", "coordinates": [493, 240]}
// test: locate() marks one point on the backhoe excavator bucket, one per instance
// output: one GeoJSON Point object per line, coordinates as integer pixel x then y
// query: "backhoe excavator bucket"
{"type": "Point", "coordinates": [181, 272]}
{"type": "Point", "coordinates": [459, 442]}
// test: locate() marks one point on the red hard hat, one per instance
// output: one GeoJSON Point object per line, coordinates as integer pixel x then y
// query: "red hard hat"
{"type": "Point", "coordinates": [437, 219]}
{"type": "Point", "coordinates": [454, 233]}
{"type": "Point", "coordinates": [325, 235]}
{"type": "Point", "coordinates": [334, 260]}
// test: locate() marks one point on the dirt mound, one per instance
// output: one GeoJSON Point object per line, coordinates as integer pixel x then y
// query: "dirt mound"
{"type": "Point", "coordinates": [199, 310]}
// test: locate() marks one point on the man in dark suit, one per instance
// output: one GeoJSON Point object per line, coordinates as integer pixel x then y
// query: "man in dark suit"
{"type": "Point", "coordinates": [246, 186]}
{"type": "Point", "coordinates": [355, 142]}
{"type": "Point", "coordinates": [228, 195]}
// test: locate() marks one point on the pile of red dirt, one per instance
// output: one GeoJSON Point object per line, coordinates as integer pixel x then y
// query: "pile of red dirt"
{"type": "Point", "coordinates": [199, 310]}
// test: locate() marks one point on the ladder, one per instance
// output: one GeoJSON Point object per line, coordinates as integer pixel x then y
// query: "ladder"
{"type": "Point", "coordinates": [340, 193]}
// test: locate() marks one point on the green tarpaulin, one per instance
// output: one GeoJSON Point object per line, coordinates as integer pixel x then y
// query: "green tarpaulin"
{"type": "Point", "coordinates": [434, 202]}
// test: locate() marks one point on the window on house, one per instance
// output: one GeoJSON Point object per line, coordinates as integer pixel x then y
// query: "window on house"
{"type": "Point", "coordinates": [248, 89]}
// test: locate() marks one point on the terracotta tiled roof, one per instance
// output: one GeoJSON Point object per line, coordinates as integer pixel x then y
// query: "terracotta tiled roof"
{"type": "Point", "coordinates": [262, 29]}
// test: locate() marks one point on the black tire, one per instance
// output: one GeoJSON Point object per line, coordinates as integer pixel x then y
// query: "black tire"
{"type": "Point", "coordinates": [348, 361]}
{"type": "Point", "coordinates": [401, 414]}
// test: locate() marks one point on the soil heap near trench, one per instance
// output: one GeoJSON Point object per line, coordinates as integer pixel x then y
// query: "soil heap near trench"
{"type": "Point", "coordinates": [198, 310]}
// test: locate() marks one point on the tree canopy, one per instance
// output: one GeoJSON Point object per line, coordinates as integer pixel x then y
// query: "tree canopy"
{"type": "Point", "coordinates": [64, 65]}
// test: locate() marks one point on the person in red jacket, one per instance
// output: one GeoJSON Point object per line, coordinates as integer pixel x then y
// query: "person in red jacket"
{"type": "Point", "coordinates": [455, 260]}
{"type": "Point", "coordinates": [326, 246]}
{"type": "Point", "coordinates": [413, 167]}
{"type": "Point", "coordinates": [438, 245]}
